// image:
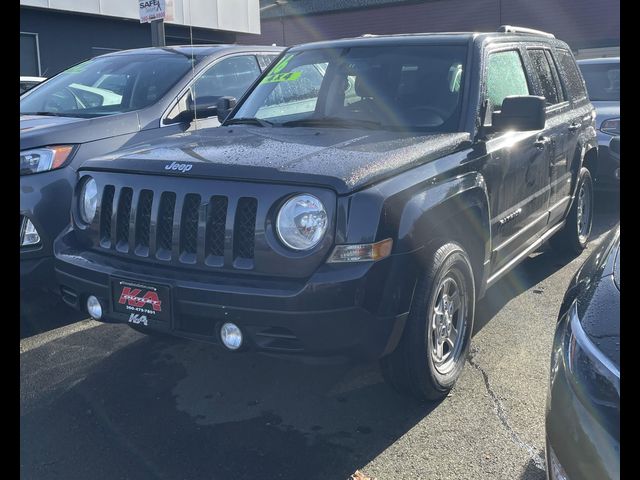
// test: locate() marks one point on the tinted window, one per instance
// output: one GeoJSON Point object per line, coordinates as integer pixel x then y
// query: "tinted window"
{"type": "Point", "coordinates": [571, 78]}
{"type": "Point", "coordinates": [108, 85]}
{"type": "Point", "coordinates": [229, 77]}
{"type": "Point", "coordinates": [400, 87]}
{"type": "Point", "coordinates": [547, 82]}
{"type": "Point", "coordinates": [603, 81]}
{"type": "Point", "coordinates": [505, 77]}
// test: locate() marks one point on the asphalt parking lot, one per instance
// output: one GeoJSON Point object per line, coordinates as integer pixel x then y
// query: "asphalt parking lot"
{"type": "Point", "coordinates": [105, 402]}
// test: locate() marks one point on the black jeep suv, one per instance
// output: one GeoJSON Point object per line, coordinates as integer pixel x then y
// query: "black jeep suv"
{"type": "Point", "coordinates": [357, 200]}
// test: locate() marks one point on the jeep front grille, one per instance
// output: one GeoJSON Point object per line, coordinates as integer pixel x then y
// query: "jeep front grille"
{"type": "Point", "coordinates": [188, 228]}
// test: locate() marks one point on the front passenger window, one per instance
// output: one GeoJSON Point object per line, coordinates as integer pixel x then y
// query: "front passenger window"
{"type": "Point", "coordinates": [505, 77]}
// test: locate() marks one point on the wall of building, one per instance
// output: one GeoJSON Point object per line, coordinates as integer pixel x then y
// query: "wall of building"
{"type": "Point", "coordinates": [581, 23]}
{"type": "Point", "coordinates": [67, 38]}
{"type": "Point", "coordinates": [229, 15]}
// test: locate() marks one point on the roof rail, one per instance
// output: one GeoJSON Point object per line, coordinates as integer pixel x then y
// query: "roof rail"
{"type": "Point", "coordinates": [514, 29]}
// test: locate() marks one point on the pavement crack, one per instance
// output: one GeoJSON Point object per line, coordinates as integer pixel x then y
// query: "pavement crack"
{"type": "Point", "coordinates": [501, 413]}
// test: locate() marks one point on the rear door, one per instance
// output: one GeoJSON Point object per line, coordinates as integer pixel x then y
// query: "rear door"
{"type": "Point", "coordinates": [556, 134]}
{"type": "Point", "coordinates": [517, 167]}
{"type": "Point", "coordinates": [579, 118]}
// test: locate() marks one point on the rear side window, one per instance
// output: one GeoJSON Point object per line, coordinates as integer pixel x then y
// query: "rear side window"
{"type": "Point", "coordinates": [571, 78]}
{"type": "Point", "coordinates": [542, 67]}
{"type": "Point", "coordinates": [505, 77]}
{"type": "Point", "coordinates": [229, 77]}
{"type": "Point", "coordinates": [266, 59]}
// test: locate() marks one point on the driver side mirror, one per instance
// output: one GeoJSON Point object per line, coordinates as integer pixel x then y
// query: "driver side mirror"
{"type": "Point", "coordinates": [520, 113]}
{"type": "Point", "coordinates": [203, 107]}
{"type": "Point", "coordinates": [224, 107]}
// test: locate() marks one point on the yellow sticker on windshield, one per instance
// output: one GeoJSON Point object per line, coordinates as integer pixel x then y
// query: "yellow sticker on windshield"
{"type": "Point", "coordinates": [275, 75]}
{"type": "Point", "coordinates": [78, 68]}
{"type": "Point", "coordinates": [281, 77]}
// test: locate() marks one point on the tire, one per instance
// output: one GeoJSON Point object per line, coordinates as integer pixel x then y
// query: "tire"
{"type": "Point", "coordinates": [413, 366]}
{"type": "Point", "coordinates": [574, 236]}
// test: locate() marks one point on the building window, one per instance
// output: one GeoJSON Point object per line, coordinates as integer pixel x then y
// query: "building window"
{"type": "Point", "coordinates": [29, 55]}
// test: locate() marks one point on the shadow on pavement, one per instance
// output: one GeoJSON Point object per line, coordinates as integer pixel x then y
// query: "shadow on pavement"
{"type": "Point", "coordinates": [184, 410]}
{"type": "Point", "coordinates": [41, 311]}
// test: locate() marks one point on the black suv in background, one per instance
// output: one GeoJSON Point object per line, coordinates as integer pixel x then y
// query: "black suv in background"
{"type": "Point", "coordinates": [109, 102]}
{"type": "Point", "coordinates": [358, 201]}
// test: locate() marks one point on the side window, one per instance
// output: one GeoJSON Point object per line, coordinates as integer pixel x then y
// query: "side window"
{"type": "Point", "coordinates": [547, 81]}
{"type": "Point", "coordinates": [571, 78]}
{"type": "Point", "coordinates": [505, 77]}
{"type": "Point", "coordinates": [266, 60]}
{"type": "Point", "coordinates": [229, 77]}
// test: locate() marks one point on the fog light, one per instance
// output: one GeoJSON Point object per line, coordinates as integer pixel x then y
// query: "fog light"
{"type": "Point", "coordinates": [231, 336]}
{"type": "Point", "coordinates": [94, 308]}
{"type": "Point", "coordinates": [28, 234]}
{"type": "Point", "coordinates": [617, 173]}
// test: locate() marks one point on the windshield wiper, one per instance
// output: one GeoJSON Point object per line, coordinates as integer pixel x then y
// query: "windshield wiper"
{"type": "Point", "coordinates": [332, 122]}
{"type": "Point", "coordinates": [249, 121]}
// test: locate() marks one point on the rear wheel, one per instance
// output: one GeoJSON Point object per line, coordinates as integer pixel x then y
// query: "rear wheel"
{"type": "Point", "coordinates": [436, 339]}
{"type": "Point", "coordinates": [574, 236]}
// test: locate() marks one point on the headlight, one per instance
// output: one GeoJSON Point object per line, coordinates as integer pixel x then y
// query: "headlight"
{"type": "Point", "coordinates": [594, 374]}
{"type": "Point", "coordinates": [301, 222]}
{"type": "Point", "coordinates": [44, 159]}
{"type": "Point", "coordinates": [88, 200]}
{"type": "Point", "coordinates": [611, 126]}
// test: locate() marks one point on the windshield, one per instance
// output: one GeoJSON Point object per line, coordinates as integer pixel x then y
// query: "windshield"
{"type": "Point", "coordinates": [399, 87]}
{"type": "Point", "coordinates": [108, 85]}
{"type": "Point", "coordinates": [603, 81]}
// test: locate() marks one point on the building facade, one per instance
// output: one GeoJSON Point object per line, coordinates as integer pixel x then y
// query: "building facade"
{"type": "Point", "coordinates": [583, 24]}
{"type": "Point", "coordinates": [55, 34]}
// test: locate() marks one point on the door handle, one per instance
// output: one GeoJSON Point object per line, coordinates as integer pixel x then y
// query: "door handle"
{"type": "Point", "coordinates": [541, 143]}
{"type": "Point", "coordinates": [574, 127]}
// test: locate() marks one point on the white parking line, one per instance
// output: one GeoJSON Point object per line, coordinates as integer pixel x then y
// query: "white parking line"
{"type": "Point", "coordinates": [43, 338]}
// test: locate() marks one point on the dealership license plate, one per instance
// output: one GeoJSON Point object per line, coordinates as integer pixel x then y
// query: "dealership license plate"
{"type": "Point", "coordinates": [141, 302]}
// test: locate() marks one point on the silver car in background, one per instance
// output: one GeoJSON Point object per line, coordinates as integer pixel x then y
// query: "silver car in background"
{"type": "Point", "coordinates": [602, 76]}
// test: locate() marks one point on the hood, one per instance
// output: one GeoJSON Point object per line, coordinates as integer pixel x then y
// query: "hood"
{"type": "Point", "coordinates": [343, 159]}
{"type": "Point", "coordinates": [606, 110]}
{"type": "Point", "coordinates": [40, 130]}
{"type": "Point", "coordinates": [599, 296]}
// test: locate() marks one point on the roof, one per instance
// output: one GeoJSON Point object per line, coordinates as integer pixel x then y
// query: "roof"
{"type": "Point", "coordinates": [196, 50]}
{"type": "Point", "coordinates": [451, 38]}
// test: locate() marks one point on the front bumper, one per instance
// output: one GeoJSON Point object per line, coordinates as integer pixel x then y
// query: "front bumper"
{"type": "Point", "coordinates": [355, 310]}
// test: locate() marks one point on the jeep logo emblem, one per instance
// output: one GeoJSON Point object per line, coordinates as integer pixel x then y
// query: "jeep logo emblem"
{"type": "Point", "coordinates": [181, 167]}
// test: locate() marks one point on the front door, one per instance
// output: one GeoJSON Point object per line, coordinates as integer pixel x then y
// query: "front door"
{"type": "Point", "coordinates": [518, 165]}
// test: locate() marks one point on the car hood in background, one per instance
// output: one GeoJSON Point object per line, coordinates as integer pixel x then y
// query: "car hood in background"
{"type": "Point", "coordinates": [343, 159]}
{"type": "Point", "coordinates": [41, 130]}
{"type": "Point", "coordinates": [598, 296]}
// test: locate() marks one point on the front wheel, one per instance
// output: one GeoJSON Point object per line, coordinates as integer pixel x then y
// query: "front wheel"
{"type": "Point", "coordinates": [436, 339]}
{"type": "Point", "coordinates": [574, 236]}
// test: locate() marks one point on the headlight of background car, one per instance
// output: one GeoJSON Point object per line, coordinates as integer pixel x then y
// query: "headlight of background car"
{"type": "Point", "coordinates": [593, 374]}
{"type": "Point", "coordinates": [302, 222]}
{"type": "Point", "coordinates": [44, 159]}
{"type": "Point", "coordinates": [611, 126]}
{"type": "Point", "coordinates": [88, 200]}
